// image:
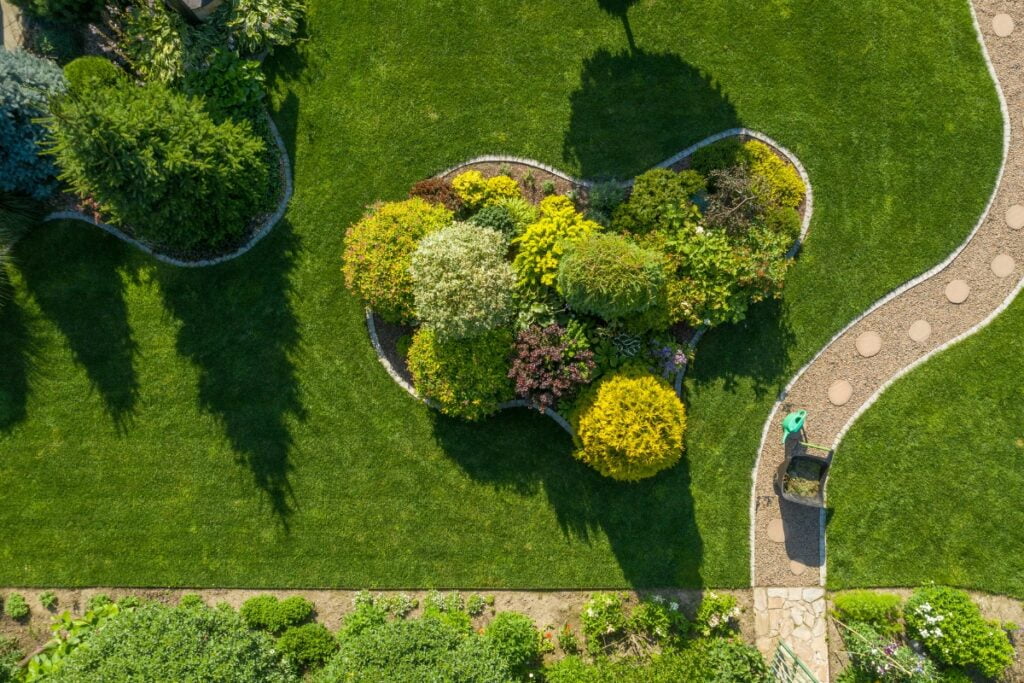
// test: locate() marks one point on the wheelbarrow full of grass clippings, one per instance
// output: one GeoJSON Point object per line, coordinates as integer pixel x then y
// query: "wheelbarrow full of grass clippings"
{"type": "Point", "coordinates": [801, 476]}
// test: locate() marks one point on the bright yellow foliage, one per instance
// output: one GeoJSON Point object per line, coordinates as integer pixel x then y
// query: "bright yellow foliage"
{"type": "Point", "coordinates": [630, 425]}
{"type": "Point", "coordinates": [782, 184]}
{"type": "Point", "coordinates": [542, 244]}
{"type": "Point", "coordinates": [476, 192]}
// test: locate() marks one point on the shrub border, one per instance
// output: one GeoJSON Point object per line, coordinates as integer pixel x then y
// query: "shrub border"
{"type": "Point", "coordinates": [285, 171]}
{"type": "Point", "coordinates": [579, 182]}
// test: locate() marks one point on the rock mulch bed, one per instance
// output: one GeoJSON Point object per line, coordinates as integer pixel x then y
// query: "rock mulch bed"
{"type": "Point", "coordinates": [953, 302]}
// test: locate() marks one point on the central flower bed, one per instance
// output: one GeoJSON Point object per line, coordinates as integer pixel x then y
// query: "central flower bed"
{"type": "Point", "coordinates": [501, 281]}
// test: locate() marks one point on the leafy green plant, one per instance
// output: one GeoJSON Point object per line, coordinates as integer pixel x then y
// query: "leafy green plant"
{"type": "Point", "coordinates": [191, 600]}
{"type": "Point", "coordinates": [603, 199]}
{"type": "Point", "coordinates": [26, 85]}
{"type": "Point", "coordinates": [467, 378]}
{"type": "Point", "coordinates": [717, 615]}
{"type": "Point", "coordinates": [48, 599]}
{"type": "Point", "coordinates": [603, 620]}
{"type": "Point", "coordinates": [10, 656]}
{"type": "Point", "coordinates": [85, 73]}
{"type": "Point", "coordinates": [950, 626]}
{"type": "Point", "coordinates": [661, 201]}
{"type": "Point", "coordinates": [475, 605]}
{"type": "Point", "coordinates": [229, 86]}
{"type": "Point", "coordinates": [367, 613]}
{"type": "Point", "coordinates": [659, 622]}
{"type": "Point", "coordinates": [568, 641]}
{"type": "Point", "coordinates": [267, 613]}
{"type": "Point", "coordinates": [307, 646]}
{"type": "Point", "coordinates": [262, 24]}
{"type": "Point", "coordinates": [629, 425]}
{"type": "Point", "coordinates": [154, 161]}
{"type": "Point", "coordinates": [476, 191]}
{"type": "Point", "coordinates": [881, 611]}
{"type": "Point", "coordinates": [68, 634]}
{"type": "Point", "coordinates": [98, 601]}
{"type": "Point", "coordinates": [16, 607]}
{"type": "Point", "coordinates": [542, 244]}
{"type": "Point", "coordinates": [155, 41]}
{"type": "Point", "coordinates": [379, 249]}
{"type": "Point", "coordinates": [880, 658]}
{"type": "Point", "coordinates": [495, 217]}
{"type": "Point", "coordinates": [516, 640]}
{"type": "Point", "coordinates": [462, 284]}
{"type": "Point", "coordinates": [609, 276]}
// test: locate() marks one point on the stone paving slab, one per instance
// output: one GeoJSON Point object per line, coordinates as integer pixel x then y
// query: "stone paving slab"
{"type": "Point", "coordinates": [13, 33]}
{"type": "Point", "coordinates": [796, 617]}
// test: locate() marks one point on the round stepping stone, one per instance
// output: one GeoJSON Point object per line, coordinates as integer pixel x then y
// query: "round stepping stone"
{"type": "Point", "coordinates": [776, 532]}
{"type": "Point", "coordinates": [1002, 265]}
{"type": "Point", "coordinates": [957, 291]}
{"type": "Point", "coordinates": [920, 330]}
{"type": "Point", "coordinates": [869, 344]}
{"type": "Point", "coordinates": [839, 393]}
{"type": "Point", "coordinates": [1015, 217]}
{"type": "Point", "coordinates": [1002, 24]}
{"type": "Point", "coordinates": [797, 568]}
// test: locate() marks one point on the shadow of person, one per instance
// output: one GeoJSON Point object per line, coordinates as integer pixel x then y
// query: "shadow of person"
{"type": "Point", "coordinates": [635, 109]}
{"type": "Point", "coordinates": [85, 298]}
{"type": "Point", "coordinates": [649, 525]}
{"type": "Point", "coordinates": [238, 328]}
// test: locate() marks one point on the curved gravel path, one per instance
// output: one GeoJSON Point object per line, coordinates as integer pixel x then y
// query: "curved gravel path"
{"type": "Point", "coordinates": [899, 332]}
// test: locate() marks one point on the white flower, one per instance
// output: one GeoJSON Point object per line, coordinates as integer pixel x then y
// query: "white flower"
{"type": "Point", "coordinates": [658, 599]}
{"type": "Point", "coordinates": [674, 606]}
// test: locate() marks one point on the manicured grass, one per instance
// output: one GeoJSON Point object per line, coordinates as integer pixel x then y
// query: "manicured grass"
{"type": "Point", "coordinates": [232, 426]}
{"type": "Point", "coordinates": [927, 485]}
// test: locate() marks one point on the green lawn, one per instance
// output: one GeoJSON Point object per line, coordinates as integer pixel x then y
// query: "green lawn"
{"type": "Point", "coordinates": [927, 485]}
{"type": "Point", "coordinates": [231, 426]}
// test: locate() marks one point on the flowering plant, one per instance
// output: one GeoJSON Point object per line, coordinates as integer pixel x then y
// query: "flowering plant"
{"type": "Point", "coordinates": [550, 363]}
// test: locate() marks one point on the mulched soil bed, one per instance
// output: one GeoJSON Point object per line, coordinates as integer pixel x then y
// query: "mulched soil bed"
{"type": "Point", "coordinates": [534, 191]}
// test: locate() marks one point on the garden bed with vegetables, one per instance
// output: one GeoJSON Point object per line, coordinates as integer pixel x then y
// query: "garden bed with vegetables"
{"type": "Point", "coordinates": [502, 280]}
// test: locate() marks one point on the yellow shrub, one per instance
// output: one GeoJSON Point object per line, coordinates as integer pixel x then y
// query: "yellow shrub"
{"type": "Point", "coordinates": [782, 184]}
{"type": "Point", "coordinates": [542, 243]}
{"type": "Point", "coordinates": [475, 191]}
{"type": "Point", "coordinates": [630, 425]}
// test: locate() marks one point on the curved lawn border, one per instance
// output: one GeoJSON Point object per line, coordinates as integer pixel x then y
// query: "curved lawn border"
{"type": "Point", "coordinates": [677, 383]}
{"type": "Point", "coordinates": [261, 232]}
{"type": "Point", "coordinates": [935, 270]}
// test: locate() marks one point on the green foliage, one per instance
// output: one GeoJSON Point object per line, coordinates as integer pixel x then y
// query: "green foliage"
{"type": "Point", "coordinates": [477, 192]}
{"type": "Point", "coordinates": [516, 640]}
{"type": "Point", "coordinates": [48, 599]}
{"type": "Point", "coordinates": [155, 162]}
{"type": "Point", "coordinates": [98, 601]}
{"type": "Point", "coordinates": [448, 608]}
{"type": "Point", "coordinates": [10, 655]}
{"type": "Point", "coordinates": [263, 24]}
{"type": "Point", "coordinates": [522, 212]}
{"type": "Point", "coordinates": [26, 84]}
{"type": "Point", "coordinates": [229, 86]}
{"type": "Point", "coordinates": [881, 611]}
{"type": "Point", "coordinates": [781, 184]}
{"type": "Point", "coordinates": [950, 626]}
{"type": "Point", "coordinates": [379, 249]}
{"type": "Point", "coordinates": [267, 613]}
{"type": "Point", "coordinates": [155, 41]}
{"type": "Point", "coordinates": [661, 201]}
{"type": "Point", "coordinates": [611, 627]}
{"type": "Point", "coordinates": [462, 284]}
{"type": "Point", "coordinates": [542, 243]}
{"type": "Point", "coordinates": [728, 660]}
{"type": "Point", "coordinates": [68, 634]}
{"type": "Point", "coordinates": [603, 199]}
{"type": "Point", "coordinates": [77, 11]}
{"type": "Point", "coordinates": [367, 614]}
{"type": "Point", "coordinates": [154, 642]}
{"type": "Point", "coordinates": [629, 425]}
{"type": "Point", "coordinates": [88, 73]}
{"type": "Point", "coordinates": [16, 607]}
{"type": "Point", "coordinates": [875, 657]}
{"type": "Point", "coordinates": [421, 650]}
{"type": "Point", "coordinates": [609, 276]}
{"type": "Point", "coordinates": [496, 217]}
{"type": "Point", "coordinates": [466, 377]}
{"type": "Point", "coordinates": [307, 646]}
{"type": "Point", "coordinates": [191, 600]}
{"type": "Point", "coordinates": [475, 605]}
{"type": "Point", "coordinates": [717, 615]}
{"type": "Point", "coordinates": [717, 156]}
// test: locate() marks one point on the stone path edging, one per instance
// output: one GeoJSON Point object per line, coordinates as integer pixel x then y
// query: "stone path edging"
{"type": "Point", "coordinates": [264, 229]}
{"type": "Point", "coordinates": [825, 369]}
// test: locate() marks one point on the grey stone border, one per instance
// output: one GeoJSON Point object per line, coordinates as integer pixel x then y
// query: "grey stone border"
{"type": "Point", "coordinates": [284, 168]}
{"type": "Point", "coordinates": [881, 302]}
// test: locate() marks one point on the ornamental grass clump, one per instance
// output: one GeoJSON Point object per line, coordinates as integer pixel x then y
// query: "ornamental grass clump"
{"type": "Point", "coordinates": [630, 425]}
{"type": "Point", "coordinates": [466, 378]}
{"type": "Point", "coordinates": [550, 364]}
{"type": "Point", "coordinates": [542, 244]}
{"type": "Point", "coordinates": [609, 276]}
{"type": "Point", "coordinates": [462, 284]}
{"type": "Point", "coordinates": [379, 249]}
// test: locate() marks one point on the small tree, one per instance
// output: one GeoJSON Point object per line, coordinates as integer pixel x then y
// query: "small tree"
{"type": "Point", "coordinates": [26, 84]}
{"type": "Point", "coordinates": [153, 160]}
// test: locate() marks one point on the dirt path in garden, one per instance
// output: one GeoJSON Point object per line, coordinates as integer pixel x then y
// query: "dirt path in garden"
{"type": "Point", "coordinates": [913, 323]}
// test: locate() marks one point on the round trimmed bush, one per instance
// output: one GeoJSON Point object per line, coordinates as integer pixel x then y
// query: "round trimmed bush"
{"type": "Point", "coordinates": [495, 217]}
{"type": "Point", "coordinates": [462, 284]}
{"type": "Point", "coordinates": [424, 649]}
{"type": "Point", "coordinates": [379, 249]}
{"type": "Point", "coordinates": [158, 643]}
{"type": "Point", "coordinates": [630, 425]}
{"type": "Point", "coordinates": [609, 276]}
{"type": "Point", "coordinates": [86, 73]}
{"type": "Point", "coordinates": [659, 201]}
{"type": "Point", "coordinates": [514, 637]}
{"type": "Point", "coordinates": [267, 613]}
{"type": "Point", "coordinates": [26, 84]}
{"type": "Point", "coordinates": [307, 646]}
{"type": "Point", "coordinates": [465, 377]}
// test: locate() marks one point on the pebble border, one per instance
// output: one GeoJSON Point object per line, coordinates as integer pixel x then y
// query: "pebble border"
{"type": "Point", "coordinates": [264, 229]}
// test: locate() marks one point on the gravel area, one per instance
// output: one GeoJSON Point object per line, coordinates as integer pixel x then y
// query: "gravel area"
{"type": "Point", "coordinates": [892, 321]}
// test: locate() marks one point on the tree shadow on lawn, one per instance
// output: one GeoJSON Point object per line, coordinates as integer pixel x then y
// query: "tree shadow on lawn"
{"type": "Point", "coordinates": [620, 8]}
{"type": "Point", "coordinates": [649, 524]}
{"type": "Point", "coordinates": [635, 109]}
{"type": "Point", "coordinates": [239, 329]}
{"type": "Point", "coordinates": [17, 352]}
{"type": "Point", "coordinates": [78, 280]}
